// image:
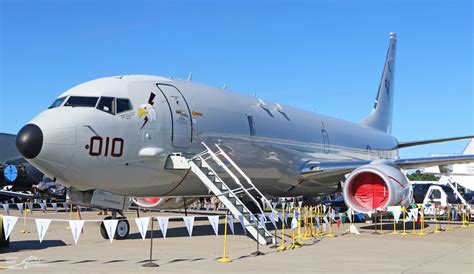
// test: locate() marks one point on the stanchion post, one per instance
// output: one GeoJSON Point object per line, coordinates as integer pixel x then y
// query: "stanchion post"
{"type": "Point", "coordinates": [24, 230]}
{"type": "Point", "coordinates": [70, 216]}
{"type": "Point", "coordinates": [150, 262]}
{"type": "Point", "coordinates": [225, 259]}
{"type": "Point", "coordinates": [404, 232]}
{"type": "Point", "coordinates": [449, 228]}
{"type": "Point", "coordinates": [257, 253]}
{"type": "Point", "coordinates": [282, 244]}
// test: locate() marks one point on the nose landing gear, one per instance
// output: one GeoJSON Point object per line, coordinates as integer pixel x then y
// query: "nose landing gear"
{"type": "Point", "coordinates": [123, 227]}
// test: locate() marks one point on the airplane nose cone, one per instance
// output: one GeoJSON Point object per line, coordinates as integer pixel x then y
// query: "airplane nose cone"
{"type": "Point", "coordinates": [29, 141]}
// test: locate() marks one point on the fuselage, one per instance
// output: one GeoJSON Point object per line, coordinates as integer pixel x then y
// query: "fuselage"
{"type": "Point", "coordinates": [96, 144]}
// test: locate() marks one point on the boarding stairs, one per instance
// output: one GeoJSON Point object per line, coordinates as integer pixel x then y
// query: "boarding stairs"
{"type": "Point", "coordinates": [231, 198]}
{"type": "Point", "coordinates": [455, 190]}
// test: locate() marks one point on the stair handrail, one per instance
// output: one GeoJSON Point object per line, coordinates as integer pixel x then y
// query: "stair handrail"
{"type": "Point", "coordinates": [220, 163]}
{"type": "Point", "coordinates": [456, 192]}
{"type": "Point", "coordinates": [222, 152]}
{"type": "Point", "coordinates": [222, 181]}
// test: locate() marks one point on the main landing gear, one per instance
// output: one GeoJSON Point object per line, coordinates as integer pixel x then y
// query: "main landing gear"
{"type": "Point", "coordinates": [123, 227]}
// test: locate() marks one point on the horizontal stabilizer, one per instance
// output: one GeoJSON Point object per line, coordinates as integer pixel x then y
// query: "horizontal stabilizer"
{"type": "Point", "coordinates": [431, 141]}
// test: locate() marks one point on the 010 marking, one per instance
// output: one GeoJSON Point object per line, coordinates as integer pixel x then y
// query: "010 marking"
{"type": "Point", "coordinates": [97, 143]}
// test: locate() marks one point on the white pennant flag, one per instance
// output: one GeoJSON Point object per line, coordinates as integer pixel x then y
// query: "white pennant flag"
{"type": "Point", "coordinates": [414, 213]}
{"type": "Point", "coordinates": [8, 224]}
{"type": "Point", "coordinates": [110, 226]}
{"type": "Point", "coordinates": [325, 219]}
{"type": "Point", "coordinates": [142, 224]}
{"type": "Point", "coordinates": [324, 208]}
{"type": "Point", "coordinates": [242, 223]}
{"type": "Point", "coordinates": [230, 222]}
{"type": "Point", "coordinates": [274, 204]}
{"type": "Point", "coordinates": [43, 206]}
{"type": "Point", "coordinates": [408, 217]}
{"type": "Point", "coordinates": [353, 229]}
{"type": "Point", "coordinates": [283, 205]}
{"type": "Point", "coordinates": [30, 207]}
{"type": "Point", "coordinates": [350, 213]}
{"type": "Point", "coordinates": [370, 214]}
{"type": "Point", "coordinates": [42, 226]}
{"type": "Point", "coordinates": [261, 218]}
{"type": "Point", "coordinates": [20, 207]}
{"type": "Point", "coordinates": [271, 216]}
{"type": "Point", "coordinates": [7, 208]}
{"type": "Point", "coordinates": [252, 219]}
{"type": "Point", "coordinates": [76, 228]}
{"type": "Point", "coordinates": [300, 203]}
{"type": "Point", "coordinates": [396, 211]}
{"type": "Point", "coordinates": [55, 206]}
{"type": "Point", "coordinates": [281, 217]}
{"type": "Point", "coordinates": [163, 223]}
{"type": "Point", "coordinates": [294, 223]}
{"type": "Point", "coordinates": [214, 220]}
{"type": "Point", "coordinates": [333, 215]}
{"type": "Point", "coordinates": [189, 222]}
{"type": "Point", "coordinates": [66, 206]}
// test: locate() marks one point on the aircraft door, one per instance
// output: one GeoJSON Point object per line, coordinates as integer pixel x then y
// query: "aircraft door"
{"type": "Point", "coordinates": [181, 135]}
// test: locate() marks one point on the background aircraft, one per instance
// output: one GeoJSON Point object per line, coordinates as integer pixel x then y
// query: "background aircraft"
{"type": "Point", "coordinates": [462, 174]}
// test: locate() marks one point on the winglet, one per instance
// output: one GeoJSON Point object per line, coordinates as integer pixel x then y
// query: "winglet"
{"type": "Point", "coordinates": [381, 115]}
{"type": "Point", "coordinates": [190, 77]}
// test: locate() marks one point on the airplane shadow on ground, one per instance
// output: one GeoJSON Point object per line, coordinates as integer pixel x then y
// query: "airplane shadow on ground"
{"type": "Point", "coordinates": [31, 245]}
{"type": "Point", "coordinates": [389, 227]}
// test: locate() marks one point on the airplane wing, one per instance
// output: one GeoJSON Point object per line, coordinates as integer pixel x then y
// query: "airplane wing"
{"type": "Point", "coordinates": [338, 170]}
{"type": "Point", "coordinates": [16, 194]}
{"type": "Point", "coordinates": [431, 141]}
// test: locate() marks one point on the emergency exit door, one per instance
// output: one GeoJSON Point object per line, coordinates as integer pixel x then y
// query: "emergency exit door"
{"type": "Point", "coordinates": [181, 123]}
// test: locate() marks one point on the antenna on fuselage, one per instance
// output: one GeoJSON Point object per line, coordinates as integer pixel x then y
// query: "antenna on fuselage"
{"type": "Point", "coordinates": [190, 76]}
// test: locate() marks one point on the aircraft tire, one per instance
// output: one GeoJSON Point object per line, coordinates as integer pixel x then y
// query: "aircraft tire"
{"type": "Point", "coordinates": [122, 231]}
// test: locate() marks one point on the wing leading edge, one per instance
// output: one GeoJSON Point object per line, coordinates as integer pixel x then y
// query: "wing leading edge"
{"type": "Point", "coordinates": [321, 171]}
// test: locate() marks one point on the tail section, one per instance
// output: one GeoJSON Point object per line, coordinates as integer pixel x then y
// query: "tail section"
{"type": "Point", "coordinates": [469, 150]}
{"type": "Point", "coordinates": [381, 115]}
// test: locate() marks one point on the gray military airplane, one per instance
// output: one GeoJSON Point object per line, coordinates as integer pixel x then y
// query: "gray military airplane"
{"type": "Point", "coordinates": [147, 136]}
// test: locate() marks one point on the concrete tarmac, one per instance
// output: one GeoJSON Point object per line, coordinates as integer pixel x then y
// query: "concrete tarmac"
{"type": "Point", "coordinates": [445, 252]}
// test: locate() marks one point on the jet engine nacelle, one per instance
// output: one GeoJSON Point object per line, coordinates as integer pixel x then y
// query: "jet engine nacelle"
{"type": "Point", "coordinates": [377, 185]}
{"type": "Point", "coordinates": [163, 202]}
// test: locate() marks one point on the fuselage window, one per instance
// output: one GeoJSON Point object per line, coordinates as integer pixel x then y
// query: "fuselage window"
{"type": "Point", "coordinates": [253, 131]}
{"type": "Point", "coordinates": [58, 102]}
{"type": "Point", "coordinates": [80, 101]}
{"type": "Point", "coordinates": [123, 105]}
{"type": "Point", "coordinates": [107, 104]}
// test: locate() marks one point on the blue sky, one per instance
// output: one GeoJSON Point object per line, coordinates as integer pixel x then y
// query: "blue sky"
{"type": "Point", "coordinates": [321, 55]}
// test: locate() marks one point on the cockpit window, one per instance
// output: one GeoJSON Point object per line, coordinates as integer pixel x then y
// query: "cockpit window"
{"type": "Point", "coordinates": [58, 102]}
{"type": "Point", "coordinates": [123, 105]}
{"type": "Point", "coordinates": [107, 104]}
{"type": "Point", "coordinates": [80, 101]}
